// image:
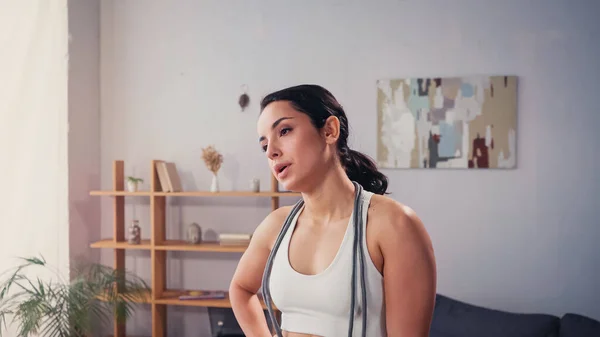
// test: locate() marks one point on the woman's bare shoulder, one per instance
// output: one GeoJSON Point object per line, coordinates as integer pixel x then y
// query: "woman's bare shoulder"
{"type": "Point", "coordinates": [395, 221]}
{"type": "Point", "coordinates": [383, 207]}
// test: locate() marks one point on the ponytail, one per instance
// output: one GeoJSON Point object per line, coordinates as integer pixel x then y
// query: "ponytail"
{"type": "Point", "coordinates": [362, 169]}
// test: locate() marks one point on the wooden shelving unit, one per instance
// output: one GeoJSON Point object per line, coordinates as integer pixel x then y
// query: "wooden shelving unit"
{"type": "Point", "coordinates": [158, 245]}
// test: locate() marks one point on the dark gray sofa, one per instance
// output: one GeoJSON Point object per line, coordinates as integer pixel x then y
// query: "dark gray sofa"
{"type": "Point", "coordinates": [454, 318]}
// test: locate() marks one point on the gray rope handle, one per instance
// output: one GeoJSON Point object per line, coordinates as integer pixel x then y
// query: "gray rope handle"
{"type": "Point", "coordinates": [266, 292]}
{"type": "Point", "coordinates": [358, 253]}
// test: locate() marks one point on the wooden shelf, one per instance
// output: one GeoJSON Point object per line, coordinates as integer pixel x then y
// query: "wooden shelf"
{"type": "Point", "coordinates": [143, 298]}
{"type": "Point", "coordinates": [181, 245]}
{"type": "Point", "coordinates": [159, 296]}
{"type": "Point", "coordinates": [172, 245]}
{"type": "Point", "coordinates": [110, 243]}
{"type": "Point", "coordinates": [171, 297]}
{"type": "Point", "coordinates": [227, 194]}
{"type": "Point", "coordinates": [121, 193]}
{"type": "Point", "coordinates": [197, 194]}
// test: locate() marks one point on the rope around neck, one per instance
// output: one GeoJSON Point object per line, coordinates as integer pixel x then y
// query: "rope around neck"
{"type": "Point", "coordinates": [358, 253]}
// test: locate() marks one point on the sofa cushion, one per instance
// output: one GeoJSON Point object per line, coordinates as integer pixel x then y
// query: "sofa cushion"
{"type": "Point", "coordinates": [574, 325]}
{"type": "Point", "coordinates": [453, 318]}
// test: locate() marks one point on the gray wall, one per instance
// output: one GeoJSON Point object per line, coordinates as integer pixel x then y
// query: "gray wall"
{"type": "Point", "coordinates": [84, 131]}
{"type": "Point", "coordinates": [521, 240]}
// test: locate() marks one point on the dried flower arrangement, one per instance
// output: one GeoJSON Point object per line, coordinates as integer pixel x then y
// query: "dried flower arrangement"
{"type": "Point", "coordinates": [212, 158]}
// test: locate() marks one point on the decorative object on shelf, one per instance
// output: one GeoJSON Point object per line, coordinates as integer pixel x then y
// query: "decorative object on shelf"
{"type": "Point", "coordinates": [214, 184]}
{"type": "Point", "coordinates": [255, 185]}
{"type": "Point", "coordinates": [194, 233]}
{"type": "Point", "coordinates": [67, 305]}
{"type": "Point", "coordinates": [132, 183]}
{"type": "Point", "coordinates": [244, 99]}
{"type": "Point", "coordinates": [213, 160]}
{"type": "Point", "coordinates": [135, 235]}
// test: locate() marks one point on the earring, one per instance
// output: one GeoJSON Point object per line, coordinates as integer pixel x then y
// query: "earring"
{"type": "Point", "coordinates": [244, 99]}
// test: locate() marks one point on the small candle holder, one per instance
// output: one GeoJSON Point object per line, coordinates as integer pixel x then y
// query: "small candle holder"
{"type": "Point", "coordinates": [255, 185]}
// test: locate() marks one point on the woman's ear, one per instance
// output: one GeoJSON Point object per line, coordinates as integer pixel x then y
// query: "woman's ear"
{"type": "Point", "coordinates": [331, 129]}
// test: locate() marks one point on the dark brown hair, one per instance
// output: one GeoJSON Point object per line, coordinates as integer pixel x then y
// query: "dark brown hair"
{"type": "Point", "coordinates": [318, 103]}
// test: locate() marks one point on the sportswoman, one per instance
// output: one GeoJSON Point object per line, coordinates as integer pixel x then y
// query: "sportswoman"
{"type": "Point", "coordinates": [303, 131]}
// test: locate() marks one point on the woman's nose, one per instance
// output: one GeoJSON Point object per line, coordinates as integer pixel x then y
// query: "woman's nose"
{"type": "Point", "coordinates": [273, 151]}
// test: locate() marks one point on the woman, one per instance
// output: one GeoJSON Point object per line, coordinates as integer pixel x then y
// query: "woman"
{"type": "Point", "coordinates": [304, 131]}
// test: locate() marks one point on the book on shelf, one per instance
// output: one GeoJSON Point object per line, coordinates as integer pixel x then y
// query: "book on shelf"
{"type": "Point", "coordinates": [234, 239]}
{"type": "Point", "coordinates": [168, 177]}
{"type": "Point", "coordinates": [234, 242]}
{"type": "Point", "coordinates": [235, 236]}
{"type": "Point", "coordinates": [203, 295]}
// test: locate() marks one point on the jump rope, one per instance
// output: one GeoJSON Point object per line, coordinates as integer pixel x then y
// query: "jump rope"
{"type": "Point", "coordinates": [358, 254]}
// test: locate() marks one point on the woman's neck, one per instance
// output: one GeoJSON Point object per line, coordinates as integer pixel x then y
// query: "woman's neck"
{"type": "Point", "coordinates": [331, 199]}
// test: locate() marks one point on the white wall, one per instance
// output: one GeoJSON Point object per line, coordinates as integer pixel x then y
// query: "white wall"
{"type": "Point", "coordinates": [34, 218]}
{"type": "Point", "coordinates": [520, 240]}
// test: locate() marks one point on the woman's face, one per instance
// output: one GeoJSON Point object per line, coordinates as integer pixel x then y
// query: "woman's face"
{"type": "Point", "coordinates": [295, 149]}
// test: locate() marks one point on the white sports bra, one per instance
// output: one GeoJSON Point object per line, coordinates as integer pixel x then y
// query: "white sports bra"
{"type": "Point", "coordinates": [320, 304]}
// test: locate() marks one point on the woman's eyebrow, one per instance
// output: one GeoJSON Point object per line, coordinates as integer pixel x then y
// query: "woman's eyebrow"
{"type": "Point", "coordinates": [274, 125]}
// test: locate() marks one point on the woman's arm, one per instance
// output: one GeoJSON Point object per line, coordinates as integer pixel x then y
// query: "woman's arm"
{"type": "Point", "coordinates": [409, 273]}
{"type": "Point", "coordinates": [248, 276]}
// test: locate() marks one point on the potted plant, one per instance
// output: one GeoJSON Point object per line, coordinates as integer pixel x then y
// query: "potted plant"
{"type": "Point", "coordinates": [132, 183]}
{"type": "Point", "coordinates": [94, 295]}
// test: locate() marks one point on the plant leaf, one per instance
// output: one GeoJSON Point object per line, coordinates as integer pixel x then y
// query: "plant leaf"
{"type": "Point", "coordinates": [35, 260]}
{"type": "Point", "coordinates": [68, 308]}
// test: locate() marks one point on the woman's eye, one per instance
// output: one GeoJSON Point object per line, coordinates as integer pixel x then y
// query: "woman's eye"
{"type": "Point", "coordinates": [264, 148]}
{"type": "Point", "coordinates": [284, 131]}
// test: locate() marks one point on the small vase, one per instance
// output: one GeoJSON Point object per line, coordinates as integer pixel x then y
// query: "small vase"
{"type": "Point", "coordinates": [255, 185]}
{"type": "Point", "coordinates": [135, 236]}
{"type": "Point", "coordinates": [214, 186]}
{"type": "Point", "coordinates": [132, 186]}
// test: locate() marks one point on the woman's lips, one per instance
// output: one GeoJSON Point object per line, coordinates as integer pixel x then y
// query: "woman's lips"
{"type": "Point", "coordinates": [282, 170]}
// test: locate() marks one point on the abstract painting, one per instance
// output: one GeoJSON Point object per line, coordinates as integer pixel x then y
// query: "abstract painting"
{"type": "Point", "coordinates": [453, 122]}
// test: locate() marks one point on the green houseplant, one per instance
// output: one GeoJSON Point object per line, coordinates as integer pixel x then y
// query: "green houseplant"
{"type": "Point", "coordinates": [94, 295]}
{"type": "Point", "coordinates": [132, 183]}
